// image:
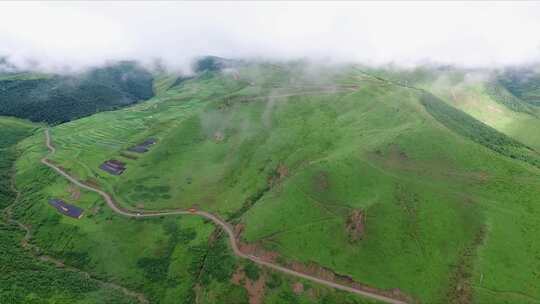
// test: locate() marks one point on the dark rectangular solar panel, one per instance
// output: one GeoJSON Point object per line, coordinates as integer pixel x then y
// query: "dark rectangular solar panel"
{"type": "Point", "coordinates": [66, 209]}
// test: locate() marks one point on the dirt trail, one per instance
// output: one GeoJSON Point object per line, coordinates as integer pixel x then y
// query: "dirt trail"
{"type": "Point", "coordinates": [219, 222]}
{"type": "Point", "coordinates": [34, 250]}
{"type": "Point", "coordinates": [305, 93]}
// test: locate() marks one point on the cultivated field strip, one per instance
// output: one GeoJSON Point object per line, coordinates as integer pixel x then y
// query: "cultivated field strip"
{"type": "Point", "coordinates": [217, 221]}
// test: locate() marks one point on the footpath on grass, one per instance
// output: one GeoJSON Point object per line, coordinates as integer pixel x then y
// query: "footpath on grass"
{"type": "Point", "coordinates": [217, 221]}
{"type": "Point", "coordinates": [36, 252]}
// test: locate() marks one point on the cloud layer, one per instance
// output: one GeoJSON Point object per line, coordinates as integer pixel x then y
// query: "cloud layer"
{"type": "Point", "coordinates": [58, 35]}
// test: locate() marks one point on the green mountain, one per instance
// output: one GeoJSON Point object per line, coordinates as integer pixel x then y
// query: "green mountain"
{"type": "Point", "coordinates": [522, 82]}
{"type": "Point", "coordinates": [58, 98]}
{"type": "Point", "coordinates": [419, 184]}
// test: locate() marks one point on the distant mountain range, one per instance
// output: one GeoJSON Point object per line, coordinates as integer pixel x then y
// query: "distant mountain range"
{"type": "Point", "coordinates": [55, 98]}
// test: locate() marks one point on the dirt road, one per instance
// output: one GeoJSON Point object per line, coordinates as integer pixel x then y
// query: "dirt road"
{"type": "Point", "coordinates": [35, 251]}
{"type": "Point", "coordinates": [218, 221]}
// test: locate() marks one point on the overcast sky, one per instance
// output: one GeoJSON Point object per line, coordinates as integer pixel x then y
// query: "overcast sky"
{"type": "Point", "coordinates": [58, 34]}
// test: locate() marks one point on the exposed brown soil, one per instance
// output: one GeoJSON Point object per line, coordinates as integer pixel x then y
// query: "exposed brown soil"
{"type": "Point", "coordinates": [278, 175]}
{"type": "Point", "coordinates": [92, 182]}
{"type": "Point", "coordinates": [315, 270]}
{"type": "Point", "coordinates": [461, 290]}
{"type": "Point", "coordinates": [258, 251]}
{"type": "Point", "coordinates": [75, 192]}
{"type": "Point", "coordinates": [238, 229]}
{"type": "Point", "coordinates": [282, 171]}
{"type": "Point", "coordinates": [339, 282]}
{"type": "Point", "coordinates": [327, 274]}
{"type": "Point", "coordinates": [356, 225]}
{"type": "Point", "coordinates": [255, 289]}
{"type": "Point", "coordinates": [238, 276]}
{"type": "Point", "coordinates": [298, 288]}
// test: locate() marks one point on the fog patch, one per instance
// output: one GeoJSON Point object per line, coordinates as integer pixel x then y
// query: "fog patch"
{"type": "Point", "coordinates": [70, 36]}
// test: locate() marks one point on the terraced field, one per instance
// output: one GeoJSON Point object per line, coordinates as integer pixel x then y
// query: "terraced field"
{"type": "Point", "coordinates": [346, 175]}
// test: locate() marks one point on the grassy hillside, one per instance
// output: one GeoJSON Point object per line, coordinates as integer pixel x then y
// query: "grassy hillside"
{"type": "Point", "coordinates": [23, 277]}
{"type": "Point", "coordinates": [522, 82]}
{"type": "Point", "coordinates": [11, 131]}
{"type": "Point", "coordinates": [481, 95]}
{"type": "Point", "coordinates": [320, 167]}
{"type": "Point", "coordinates": [475, 130]}
{"type": "Point", "coordinates": [60, 98]}
{"type": "Point", "coordinates": [166, 258]}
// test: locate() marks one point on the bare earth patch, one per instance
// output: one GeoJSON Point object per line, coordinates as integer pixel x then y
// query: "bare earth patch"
{"type": "Point", "coordinates": [356, 225]}
{"type": "Point", "coordinates": [461, 291]}
{"type": "Point", "coordinates": [327, 274]}
{"type": "Point", "coordinates": [75, 192]}
{"type": "Point", "coordinates": [258, 251]}
{"type": "Point", "coordinates": [316, 270]}
{"type": "Point", "coordinates": [238, 229]}
{"type": "Point", "coordinates": [278, 175]}
{"type": "Point", "coordinates": [92, 183]}
{"type": "Point", "coordinates": [298, 288]}
{"type": "Point", "coordinates": [255, 289]}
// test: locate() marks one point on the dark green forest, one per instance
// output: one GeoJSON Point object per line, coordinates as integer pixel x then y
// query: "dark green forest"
{"type": "Point", "coordinates": [59, 98]}
{"type": "Point", "coordinates": [465, 125]}
{"type": "Point", "coordinates": [23, 277]}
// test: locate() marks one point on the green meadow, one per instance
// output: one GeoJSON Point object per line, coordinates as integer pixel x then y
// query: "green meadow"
{"type": "Point", "coordinates": [24, 278]}
{"type": "Point", "coordinates": [448, 191]}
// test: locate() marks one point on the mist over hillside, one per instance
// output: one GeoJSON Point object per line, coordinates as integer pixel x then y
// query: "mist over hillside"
{"type": "Point", "coordinates": [57, 98]}
{"type": "Point", "coordinates": [84, 34]}
{"type": "Point", "coordinates": [269, 152]}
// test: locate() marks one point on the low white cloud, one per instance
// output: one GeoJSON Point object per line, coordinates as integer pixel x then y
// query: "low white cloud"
{"type": "Point", "coordinates": [62, 34]}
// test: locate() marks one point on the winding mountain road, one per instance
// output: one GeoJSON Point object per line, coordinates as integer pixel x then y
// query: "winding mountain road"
{"type": "Point", "coordinates": [36, 251]}
{"type": "Point", "coordinates": [219, 222]}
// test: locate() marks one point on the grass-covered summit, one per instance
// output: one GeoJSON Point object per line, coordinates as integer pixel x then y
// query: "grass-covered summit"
{"type": "Point", "coordinates": [394, 179]}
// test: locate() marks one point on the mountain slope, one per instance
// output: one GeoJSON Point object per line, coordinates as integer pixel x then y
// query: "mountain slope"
{"type": "Point", "coordinates": [522, 82]}
{"type": "Point", "coordinates": [59, 98]}
{"type": "Point", "coordinates": [326, 170]}
{"type": "Point", "coordinates": [481, 95]}
{"type": "Point", "coordinates": [25, 278]}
